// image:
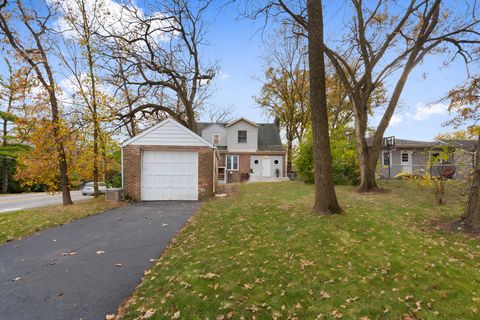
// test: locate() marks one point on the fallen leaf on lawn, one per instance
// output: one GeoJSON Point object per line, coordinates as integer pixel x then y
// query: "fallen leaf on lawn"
{"type": "Point", "coordinates": [298, 306]}
{"type": "Point", "coordinates": [176, 315]}
{"type": "Point", "coordinates": [17, 279]}
{"type": "Point", "coordinates": [100, 252]}
{"type": "Point", "coordinates": [247, 286]}
{"type": "Point", "coordinates": [230, 315]}
{"type": "Point", "coordinates": [324, 295]}
{"type": "Point", "coordinates": [149, 314]}
{"type": "Point", "coordinates": [147, 272]}
{"type": "Point", "coordinates": [350, 300]}
{"type": "Point", "coordinates": [209, 275]}
{"type": "Point", "coordinates": [109, 317]}
{"type": "Point", "coordinates": [220, 317]}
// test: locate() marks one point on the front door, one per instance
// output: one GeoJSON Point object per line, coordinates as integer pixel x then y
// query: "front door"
{"type": "Point", "coordinates": [266, 171]}
{"type": "Point", "coordinates": [406, 161]}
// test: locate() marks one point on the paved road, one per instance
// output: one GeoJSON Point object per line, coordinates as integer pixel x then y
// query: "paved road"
{"type": "Point", "coordinates": [85, 269]}
{"type": "Point", "coordinates": [31, 200]}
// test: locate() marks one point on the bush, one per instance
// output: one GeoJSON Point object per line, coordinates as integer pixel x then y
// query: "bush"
{"type": "Point", "coordinates": [344, 160]}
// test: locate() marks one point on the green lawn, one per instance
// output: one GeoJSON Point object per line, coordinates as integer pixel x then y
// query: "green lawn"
{"type": "Point", "coordinates": [262, 254]}
{"type": "Point", "coordinates": [18, 224]}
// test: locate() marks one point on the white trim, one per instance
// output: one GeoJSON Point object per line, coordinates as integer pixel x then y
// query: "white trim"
{"type": "Point", "coordinates": [240, 119]}
{"type": "Point", "coordinates": [410, 157]}
{"type": "Point", "coordinates": [238, 162]}
{"type": "Point", "coordinates": [158, 125]}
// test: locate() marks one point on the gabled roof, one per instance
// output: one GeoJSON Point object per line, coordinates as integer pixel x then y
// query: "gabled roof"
{"type": "Point", "coordinates": [169, 121]}
{"type": "Point", "coordinates": [268, 135]}
{"type": "Point", "coordinates": [241, 119]}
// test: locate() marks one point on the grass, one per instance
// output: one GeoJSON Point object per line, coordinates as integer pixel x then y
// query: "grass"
{"type": "Point", "coordinates": [262, 254]}
{"type": "Point", "coordinates": [18, 224]}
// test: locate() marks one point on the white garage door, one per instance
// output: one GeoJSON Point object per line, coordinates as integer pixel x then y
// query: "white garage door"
{"type": "Point", "coordinates": [169, 175]}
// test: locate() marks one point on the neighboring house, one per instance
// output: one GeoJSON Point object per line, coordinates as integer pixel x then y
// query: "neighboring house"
{"type": "Point", "coordinates": [248, 150]}
{"type": "Point", "coordinates": [170, 162]}
{"type": "Point", "coordinates": [413, 157]}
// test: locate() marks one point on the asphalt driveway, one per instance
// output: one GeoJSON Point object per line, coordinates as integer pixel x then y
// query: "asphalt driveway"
{"type": "Point", "coordinates": [85, 269]}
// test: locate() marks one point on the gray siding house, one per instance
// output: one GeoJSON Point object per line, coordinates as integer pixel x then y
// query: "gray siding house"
{"type": "Point", "coordinates": [413, 157]}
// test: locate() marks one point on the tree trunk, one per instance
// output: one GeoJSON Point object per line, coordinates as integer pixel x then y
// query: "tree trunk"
{"type": "Point", "coordinates": [5, 162]}
{"type": "Point", "coordinates": [325, 197]}
{"type": "Point", "coordinates": [472, 212]}
{"type": "Point", "coordinates": [4, 176]}
{"type": "Point", "coordinates": [62, 156]}
{"type": "Point", "coordinates": [289, 155]}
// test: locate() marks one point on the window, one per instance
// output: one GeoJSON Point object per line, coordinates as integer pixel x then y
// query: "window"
{"type": "Point", "coordinates": [242, 136]}
{"type": "Point", "coordinates": [386, 158]}
{"type": "Point", "coordinates": [216, 138]}
{"type": "Point", "coordinates": [405, 157]}
{"type": "Point", "coordinates": [232, 163]}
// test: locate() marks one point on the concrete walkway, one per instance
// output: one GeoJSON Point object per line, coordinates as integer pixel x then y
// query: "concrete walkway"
{"type": "Point", "coordinates": [85, 269]}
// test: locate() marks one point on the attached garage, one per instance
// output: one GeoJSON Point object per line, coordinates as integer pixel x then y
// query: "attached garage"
{"type": "Point", "coordinates": [168, 162]}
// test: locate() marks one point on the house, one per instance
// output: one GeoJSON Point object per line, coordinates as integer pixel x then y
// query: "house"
{"type": "Point", "coordinates": [413, 157]}
{"type": "Point", "coordinates": [247, 150]}
{"type": "Point", "coordinates": [170, 162]}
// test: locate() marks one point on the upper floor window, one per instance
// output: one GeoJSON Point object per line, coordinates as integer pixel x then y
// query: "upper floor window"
{"type": "Point", "coordinates": [216, 138]}
{"type": "Point", "coordinates": [242, 136]}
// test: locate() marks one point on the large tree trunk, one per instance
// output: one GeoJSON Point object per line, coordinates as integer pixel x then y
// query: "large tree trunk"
{"type": "Point", "coordinates": [472, 212]}
{"type": "Point", "coordinates": [325, 197]}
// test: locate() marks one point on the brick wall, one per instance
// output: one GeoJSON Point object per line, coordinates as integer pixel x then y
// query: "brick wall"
{"type": "Point", "coordinates": [244, 163]}
{"type": "Point", "coordinates": [132, 164]}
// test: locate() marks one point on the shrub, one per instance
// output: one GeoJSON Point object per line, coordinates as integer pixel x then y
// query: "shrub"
{"type": "Point", "coordinates": [344, 160]}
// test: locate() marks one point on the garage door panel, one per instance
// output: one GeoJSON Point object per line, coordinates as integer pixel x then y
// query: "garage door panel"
{"type": "Point", "coordinates": [169, 175]}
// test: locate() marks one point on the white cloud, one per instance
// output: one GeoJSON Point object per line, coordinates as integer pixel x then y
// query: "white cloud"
{"type": "Point", "coordinates": [223, 75]}
{"type": "Point", "coordinates": [112, 17]}
{"type": "Point", "coordinates": [395, 120]}
{"type": "Point", "coordinates": [424, 112]}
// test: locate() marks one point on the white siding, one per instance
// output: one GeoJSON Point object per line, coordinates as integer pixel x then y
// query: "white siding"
{"type": "Point", "coordinates": [232, 137]}
{"type": "Point", "coordinates": [209, 131]}
{"type": "Point", "coordinates": [168, 134]}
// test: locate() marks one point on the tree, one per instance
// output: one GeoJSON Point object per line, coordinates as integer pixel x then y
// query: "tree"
{"type": "Point", "coordinates": [80, 29]}
{"type": "Point", "coordinates": [309, 20]}
{"type": "Point", "coordinates": [26, 31]}
{"type": "Point", "coordinates": [387, 41]}
{"type": "Point", "coordinates": [465, 101]}
{"type": "Point", "coordinates": [285, 91]}
{"type": "Point", "coordinates": [161, 54]}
